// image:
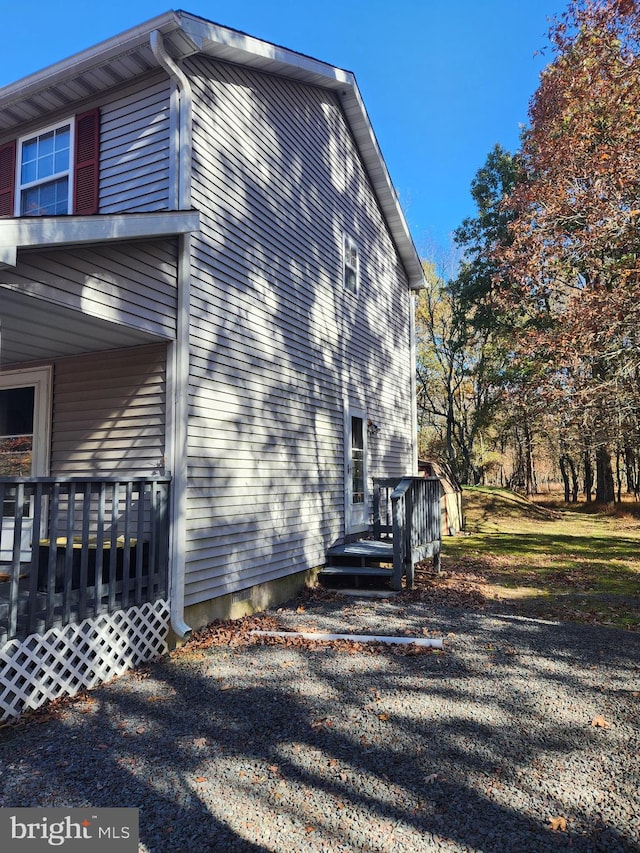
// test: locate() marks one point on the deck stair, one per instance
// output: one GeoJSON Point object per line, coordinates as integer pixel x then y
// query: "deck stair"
{"type": "Point", "coordinates": [405, 530]}
{"type": "Point", "coordinates": [364, 558]}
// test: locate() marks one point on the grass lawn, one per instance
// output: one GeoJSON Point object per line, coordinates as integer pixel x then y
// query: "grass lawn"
{"type": "Point", "coordinates": [545, 558]}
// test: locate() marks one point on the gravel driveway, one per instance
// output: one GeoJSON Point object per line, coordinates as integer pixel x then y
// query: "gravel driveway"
{"type": "Point", "coordinates": [516, 727]}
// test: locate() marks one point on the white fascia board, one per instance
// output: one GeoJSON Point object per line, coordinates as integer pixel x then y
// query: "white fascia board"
{"type": "Point", "coordinates": [54, 231]}
{"type": "Point", "coordinates": [363, 132]}
{"type": "Point", "coordinates": [238, 47]}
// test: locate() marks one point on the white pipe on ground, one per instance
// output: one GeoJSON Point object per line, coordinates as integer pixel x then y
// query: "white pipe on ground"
{"type": "Point", "coordinates": [431, 642]}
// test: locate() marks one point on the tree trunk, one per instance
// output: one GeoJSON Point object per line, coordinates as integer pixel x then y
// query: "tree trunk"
{"type": "Point", "coordinates": [575, 486]}
{"type": "Point", "coordinates": [619, 475]}
{"type": "Point", "coordinates": [530, 472]}
{"type": "Point", "coordinates": [588, 476]}
{"type": "Point", "coordinates": [565, 478]}
{"type": "Point", "coordinates": [630, 461]}
{"type": "Point", "coordinates": [605, 493]}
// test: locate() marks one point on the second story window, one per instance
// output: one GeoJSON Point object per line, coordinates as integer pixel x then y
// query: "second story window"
{"type": "Point", "coordinates": [45, 172]}
{"type": "Point", "coordinates": [351, 265]}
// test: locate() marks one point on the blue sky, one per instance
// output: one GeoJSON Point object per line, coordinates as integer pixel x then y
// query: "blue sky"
{"type": "Point", "coordinates": [442, 80]}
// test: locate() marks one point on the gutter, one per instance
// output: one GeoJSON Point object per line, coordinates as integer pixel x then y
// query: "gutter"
{"type": "Point", "coordinates": [179, 351]}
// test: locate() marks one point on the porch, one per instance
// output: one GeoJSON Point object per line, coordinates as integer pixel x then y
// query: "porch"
{"type": "Point", "coordinates": [405, 530]}
{"type": "Point", "coordinates": [75, 548]}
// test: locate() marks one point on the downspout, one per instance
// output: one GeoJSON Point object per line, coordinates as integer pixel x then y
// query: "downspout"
{"type": "Point", "coordinates": [414, 383]}
{"type": "Point", "coordinates": [179, 351]}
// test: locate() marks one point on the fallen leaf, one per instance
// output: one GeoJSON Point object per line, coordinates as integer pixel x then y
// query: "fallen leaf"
{"type": "Point", "coordinates": [309, 829]}
{"type": "Point", "coordinates": [600, 722]}
{"type": "Point", "coordinates": [558, 824]}
{"type": "Point", "coordinates": [201, 778]}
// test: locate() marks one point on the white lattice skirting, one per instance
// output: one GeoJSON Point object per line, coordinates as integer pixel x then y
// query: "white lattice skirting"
{"type": "Point", "coordinates": [65, 660]}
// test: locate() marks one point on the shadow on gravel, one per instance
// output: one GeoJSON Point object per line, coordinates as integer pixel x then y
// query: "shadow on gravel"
{"type": "Point", "coordinates": [225, 745]}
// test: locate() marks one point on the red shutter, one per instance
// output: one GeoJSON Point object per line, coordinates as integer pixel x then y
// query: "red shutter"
{"type": "Point", "coordinates": [87, 144]}
{"type": "Point", "coordinates": [7, 178]}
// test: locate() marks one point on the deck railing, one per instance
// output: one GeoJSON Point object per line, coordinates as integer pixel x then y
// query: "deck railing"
{"type": "Point", "coordinates": [407, 511]}
{"type": "Point", "coordinates": [74, 547]}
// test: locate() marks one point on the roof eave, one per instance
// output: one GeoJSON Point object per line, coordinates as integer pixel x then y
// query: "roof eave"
{"type": "Point", "coordinates": [189, 35]}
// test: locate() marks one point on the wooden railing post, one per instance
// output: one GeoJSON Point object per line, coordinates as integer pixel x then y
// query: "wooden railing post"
{"type": "Point", "coordinates": [399, 527]}
{"type": "Point", "coordinates": [416, 526]}
{"type": "Point", "coordinates": [376, 510]}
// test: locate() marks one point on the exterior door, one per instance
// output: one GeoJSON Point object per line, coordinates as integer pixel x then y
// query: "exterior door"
{"type": "Point", "coordinates": [24, 430]}
{"type": "Point", "coordinates": [356, 493]}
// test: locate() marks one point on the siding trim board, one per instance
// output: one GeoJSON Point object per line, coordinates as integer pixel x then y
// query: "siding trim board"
{"type": "Point", "coordinates": [42, 231]}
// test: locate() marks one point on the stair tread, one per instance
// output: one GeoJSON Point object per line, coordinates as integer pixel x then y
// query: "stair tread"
{"type": "Point", "coordinates": [356, 570]}
{"type": "Point", "coordinates": [363, 548]}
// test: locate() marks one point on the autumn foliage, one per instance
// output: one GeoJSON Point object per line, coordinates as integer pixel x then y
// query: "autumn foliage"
{"type": "Point", "coordinates": [569, 275]}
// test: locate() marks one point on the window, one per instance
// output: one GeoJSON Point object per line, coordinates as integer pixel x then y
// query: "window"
{"type": "Point", "coordinates": [357, 460]}
{"type": "Point", "coordinates": [54, 171]}
{"type": "Point", "coordinates": [351, 265]}
{"type": "Point", "coordinates": [45, 173]}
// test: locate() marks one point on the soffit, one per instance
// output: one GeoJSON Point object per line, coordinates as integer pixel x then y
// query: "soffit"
{"type": "Point", "coordinates": [33, 329]}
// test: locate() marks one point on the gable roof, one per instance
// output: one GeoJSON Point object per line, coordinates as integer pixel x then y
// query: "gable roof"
{"type": "Point", "coordinates": [125, 57]}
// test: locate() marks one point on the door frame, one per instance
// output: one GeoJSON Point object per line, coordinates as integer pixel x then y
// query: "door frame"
{"type": "Point", "coordinates": [40, 378]}
{"type": "Point", "coordinates": [356, 516]}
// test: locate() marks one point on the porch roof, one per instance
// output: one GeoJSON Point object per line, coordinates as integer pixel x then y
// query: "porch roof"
{"type": "Point", "coordinates": [59, 231]}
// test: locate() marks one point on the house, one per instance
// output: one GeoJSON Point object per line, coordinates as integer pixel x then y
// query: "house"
{"type": "Point", "coordinates": [206, 351]}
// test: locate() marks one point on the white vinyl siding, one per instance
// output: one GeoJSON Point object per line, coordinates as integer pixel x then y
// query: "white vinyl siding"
{"type": "Point", "coordinates": [109, 413]}
{"type": "Point", "coordinates": [276, 342]}
{"type": "Point", "coordinates": [133, 284]}
{"type": "Point", "coordinates": [134, 150]}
